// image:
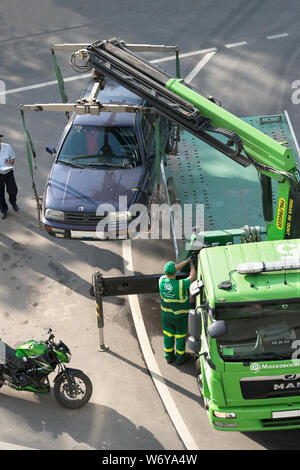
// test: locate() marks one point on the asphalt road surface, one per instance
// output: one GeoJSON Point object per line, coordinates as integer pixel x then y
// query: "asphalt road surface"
{"type": "Point", "coordinates": [253, 63]}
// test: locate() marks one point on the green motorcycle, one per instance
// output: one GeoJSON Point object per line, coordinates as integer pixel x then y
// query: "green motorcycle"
{"type": "Point", "coordinates": [27, 368]}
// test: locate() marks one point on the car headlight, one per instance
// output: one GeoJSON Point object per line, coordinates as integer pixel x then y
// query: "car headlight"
{"type": "Point", "coordinates": [119, 216]}
{"type": "Point", "coordinates": [54, 214]}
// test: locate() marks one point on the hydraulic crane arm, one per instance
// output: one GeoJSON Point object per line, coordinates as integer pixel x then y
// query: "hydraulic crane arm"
{"type": "Point", "coordinates": [202, 116]}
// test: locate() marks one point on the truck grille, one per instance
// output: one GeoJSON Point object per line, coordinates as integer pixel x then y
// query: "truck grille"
{"type": "Point", "coordinates": [78, 218]}
{"type": "Point", "coordinates": [277, 423]}
{"type": "Point", "coordinates": [270, 386]}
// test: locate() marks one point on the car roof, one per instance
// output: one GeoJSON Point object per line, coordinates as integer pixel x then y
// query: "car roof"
{"type": "Point", "coordinates": [113, 93]}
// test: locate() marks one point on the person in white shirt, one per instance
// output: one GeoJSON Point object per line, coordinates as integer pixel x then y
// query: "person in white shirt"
{"type": "Point", "coordinates": [7, 178]}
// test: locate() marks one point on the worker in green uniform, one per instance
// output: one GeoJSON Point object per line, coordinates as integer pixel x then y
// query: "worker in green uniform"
{"type": "Point", "coordinates": [175, 307]}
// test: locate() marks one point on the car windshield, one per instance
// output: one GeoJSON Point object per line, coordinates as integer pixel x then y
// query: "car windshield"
{"type": "Point", "coordinates": [99, 147]}
{"type": "Point", "coordinates": [260, 331]}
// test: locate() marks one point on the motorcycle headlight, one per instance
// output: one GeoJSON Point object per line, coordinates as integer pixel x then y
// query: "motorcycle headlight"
{"type": "Point", "coordinates": [119, 216]}
{"type": "Point", "coordinates": [54, 214]}
{"type": "Point", "coordinates": [69, 355]}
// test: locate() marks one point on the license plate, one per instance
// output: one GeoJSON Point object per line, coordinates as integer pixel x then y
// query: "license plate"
{"type": "Point", "coordinates": [87, 235]}
{"type": "Point", "coordinates": [286, 414]}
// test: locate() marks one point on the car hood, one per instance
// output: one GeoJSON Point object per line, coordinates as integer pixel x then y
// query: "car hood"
{"type": "Point", "coordinates": [75, 189]}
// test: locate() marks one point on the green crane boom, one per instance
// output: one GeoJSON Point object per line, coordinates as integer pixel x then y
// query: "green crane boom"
{"type": "Point", "coordinates": [202, 116]}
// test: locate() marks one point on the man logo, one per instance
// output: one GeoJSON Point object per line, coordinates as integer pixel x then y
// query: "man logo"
{"type": "Point", "coordinates": [255, 367]}
{"type": "Point", "coordinates": [291, 377]}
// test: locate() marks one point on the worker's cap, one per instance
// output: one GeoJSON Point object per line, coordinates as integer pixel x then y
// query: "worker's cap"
{"type": "Point", "coordinates": [170, 268]}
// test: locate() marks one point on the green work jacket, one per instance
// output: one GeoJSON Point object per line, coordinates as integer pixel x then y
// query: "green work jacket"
{"type": "Point", "coordinates": [174, 296]}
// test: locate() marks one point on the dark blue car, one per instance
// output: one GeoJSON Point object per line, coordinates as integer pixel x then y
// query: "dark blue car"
{"type": "Point", "coordinates": [100, 159]}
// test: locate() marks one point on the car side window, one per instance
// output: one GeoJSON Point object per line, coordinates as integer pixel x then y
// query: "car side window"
{"type": "Point", "coordinates": [147, 125]}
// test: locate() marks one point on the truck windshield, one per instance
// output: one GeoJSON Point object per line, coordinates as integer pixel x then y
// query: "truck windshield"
{"type": "Point", "coordinates": [96, 147]}
{"type": "Point", "coordinates": [260, 331]}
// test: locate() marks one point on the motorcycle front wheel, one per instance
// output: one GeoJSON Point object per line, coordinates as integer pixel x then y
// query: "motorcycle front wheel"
{"type": "Point", "coordinates": [75, 395]}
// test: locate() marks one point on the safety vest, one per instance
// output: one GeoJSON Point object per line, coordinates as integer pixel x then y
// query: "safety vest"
{"type": "Point", "coordinates": [174, 296]}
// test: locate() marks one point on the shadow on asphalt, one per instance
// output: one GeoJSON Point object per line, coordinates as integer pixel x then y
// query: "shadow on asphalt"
{"type": "Point", "coordinates": [276, 440]}
{"type": "Point", "coordinates": [16, 255]}
{"type": "Point", "coordinates": [172, 385]}
{"type": "Point", "coordinates": [96, 426]}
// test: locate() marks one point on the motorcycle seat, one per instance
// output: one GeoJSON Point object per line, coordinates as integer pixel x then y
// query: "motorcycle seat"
{"type": "Point", "coordinates": [7, 353]}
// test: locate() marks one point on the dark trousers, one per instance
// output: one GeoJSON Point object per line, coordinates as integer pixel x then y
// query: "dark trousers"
{"type": "Point", "coordinates": [7, 181]}
{"type": "Point", "coordinates": [174, 328]}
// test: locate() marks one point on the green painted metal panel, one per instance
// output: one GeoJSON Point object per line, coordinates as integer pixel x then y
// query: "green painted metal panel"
{"type": "Point", "coordinates": [275, 126]}
{"type": "Point", "coordinates": [250, 287]}
{"type": "Point", "coordinates": [262, 148]}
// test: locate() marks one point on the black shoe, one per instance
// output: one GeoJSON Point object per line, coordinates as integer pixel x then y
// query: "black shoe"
{"type": "Point", "coordinates": [186, 358]}
{"type": "Point", "coordinates": [170, 360]}
{"type": "Point", "coordinates": [15, 207]}
{"type": "Point", "coordinates": [4, 215]}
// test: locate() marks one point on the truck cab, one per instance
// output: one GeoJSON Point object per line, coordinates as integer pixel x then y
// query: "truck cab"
{"type": "Point", "coordinates": [247, 300]}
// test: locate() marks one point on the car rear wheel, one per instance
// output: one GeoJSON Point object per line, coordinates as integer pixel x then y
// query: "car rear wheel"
{"type": "Point", "coordinates": [171, 141]}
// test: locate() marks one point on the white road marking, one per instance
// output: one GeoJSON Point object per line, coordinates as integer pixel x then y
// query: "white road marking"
{"type": "Point", "coordinates": [152, 366]}
{"type": "Point", "coordinates": [276, 36]}
{"type": "Point", "coordinates": [40, 85]}
{"type": "Point", "coordinates": [182, 56]}
{"type": "Point", "coordinates": [10, 446]}
{"type": "Point", "coordinates": [236, 44]}
{"type": "Point", "coordinates": [198, 67]}
{"type": "Point", "coordinates": [208, 53]}
{"type": "Point", "coordinates": [293, 133]}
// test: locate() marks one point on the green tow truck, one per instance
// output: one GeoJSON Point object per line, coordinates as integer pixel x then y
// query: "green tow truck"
{"type": "Point", "coordinates": [244, 326]}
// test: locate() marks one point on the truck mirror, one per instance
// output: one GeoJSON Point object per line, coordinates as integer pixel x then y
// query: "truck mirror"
{"type": "Point", "coordinates": [217, 329]}
{"type": "Point", "coordinates": [194, 344]}
{"type": "Point", "coordinates": [195, 323]}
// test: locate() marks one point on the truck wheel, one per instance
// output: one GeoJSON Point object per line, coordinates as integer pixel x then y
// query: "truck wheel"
{"type": "Point", "coordinates": [200, 386]}
{"type": "Point", "coordinates": [199, 376]}
{"type": "Point", "coordinates": [200, 383]}
{"type": "Point", "coordinates": [197, 367]}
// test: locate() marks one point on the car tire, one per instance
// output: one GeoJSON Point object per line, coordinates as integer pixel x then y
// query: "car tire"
{"type": "Point", "coordinates": [171, 140]}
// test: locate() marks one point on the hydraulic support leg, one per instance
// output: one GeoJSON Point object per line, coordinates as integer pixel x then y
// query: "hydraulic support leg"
{"type": "Point", "coordinates": [98, 293]}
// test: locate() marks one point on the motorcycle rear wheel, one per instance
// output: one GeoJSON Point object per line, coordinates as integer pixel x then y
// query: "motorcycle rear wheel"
{"type": "Point", "coordinates": [77, 395]}
{"type": "Point", "coordinates": [1, 381]}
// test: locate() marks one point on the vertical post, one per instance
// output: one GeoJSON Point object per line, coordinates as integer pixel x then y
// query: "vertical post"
{"type": "Point", "coordinates": [157, 157]}
{"type": "Point", "coordinates": [98, 293]}
{"type": "Point", "coordinates": [177, 64]}
{"type": "Point", "coordinates": [31, 158]}
{"type": "Point", "coordinates": [59, 77]}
